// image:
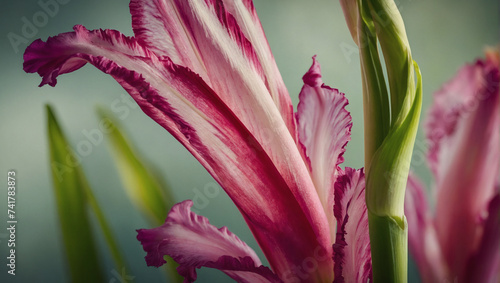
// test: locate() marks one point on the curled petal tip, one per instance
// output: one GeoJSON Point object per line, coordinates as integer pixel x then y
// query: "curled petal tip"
{"type": "Point", "coordinates": [148, 240]}
{"type": "Point", "coordinates": [313, 76]}
{"type": "Point", "coordinates": [194, 243]}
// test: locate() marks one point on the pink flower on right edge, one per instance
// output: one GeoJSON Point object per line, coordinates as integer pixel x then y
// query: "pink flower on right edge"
{"type": "Point", "coordinates": [460, 240]}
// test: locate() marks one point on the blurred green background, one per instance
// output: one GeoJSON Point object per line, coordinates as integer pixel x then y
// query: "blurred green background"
{"type": "Point", "coordinates": [443, 35]}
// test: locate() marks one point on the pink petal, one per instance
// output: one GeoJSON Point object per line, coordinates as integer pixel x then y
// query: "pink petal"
{"type": "Point", "coordinates": [249, 88]}
{"type": "Point", "coordinates": [464, 156]}
{"type": "Point", "coordinates": [210, 37]}
{"type": "Point", "coordinates": [422, 240]}
{"type": "Point", "coordinates": [193, 242]}
{"type": "Point", "coordinates": [324, 128]}
{"type": "Point", "coordinates": [484, 266]}
{"type": "Point", "coordinates": [249, 23]}
{"type": "Point", "coordinates": [60, 54]}
{"type": "Point", "coordinates": [187, 107]}
{"type": "Point", "coordinates": [352, 255]}
{"type": "Point", "coordinates": [158, 26]}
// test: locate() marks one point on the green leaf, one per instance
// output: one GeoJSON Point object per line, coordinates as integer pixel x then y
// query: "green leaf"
{"type": "Point", "coordinates": [376, 105]}
{"type": "Point", "coordinates": [107, 233]}
{"type": "Point", "coordinates": [143, 188]}
{"type": "Point", "coordinates": [388, 174]}
{"type": "Point", "coordinates": [70, 188]}
{"type": "Point", "coordinates": [391, 33]}
{"type": "Point", "coordinates": [146, 189]}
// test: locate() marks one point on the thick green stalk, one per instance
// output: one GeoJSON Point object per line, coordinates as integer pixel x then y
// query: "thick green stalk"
{"type": "Point", "coordinates": [389, 244]}
{"type": "Point", "coordinates": [391, 123]}
{"type": "Point", "coordinates": [385, 189]}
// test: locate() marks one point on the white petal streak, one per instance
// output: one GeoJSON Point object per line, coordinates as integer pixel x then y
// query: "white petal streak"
{"type": "Point", "coordinates": [324, 127]}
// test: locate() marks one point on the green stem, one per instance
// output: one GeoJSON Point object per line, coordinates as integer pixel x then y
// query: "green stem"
{"type": "Point", "coordinates": [391, 123]}
{"type": "Point", "coordinates": [389, 243]}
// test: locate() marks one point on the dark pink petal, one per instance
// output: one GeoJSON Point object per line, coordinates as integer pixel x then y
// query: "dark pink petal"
{"type": "Point", "coordinates": [236, 74]}
{"type": "Point", "coordinates": [244, 270]}
{"type": "Point", "coordinates": [193, 243]}
{"type": "Point", "coordinates": [422, 240]}
{"type": "Point", "coordinates": [324, 128]}
{"type": "Point", "coordinates": [211, 37]}
{"type": "Point", "coordinates": [352, 255]}
{"type": "Point", "coordinates": [464, 155]}
{"type": "Point", "coordinates": [53, 58]}
{"type": "Point", "coordinates": [188, 108]}
{"type": "Point", "coordinates": [484, 266]}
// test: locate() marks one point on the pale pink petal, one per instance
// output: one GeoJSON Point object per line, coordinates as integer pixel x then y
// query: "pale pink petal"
{"type": "Point", "coordinates": [464, 156]}
{"type": "Point", "coordinates": [249, 23]}
{"type": "Point", "coordinates": [236, 75]}
{"type": "Point", "coordinates": [352, 255]}
{"type": "Point", "coordinates": [193, 243]}
{"type": "Point", "coordinates": [158, 25]}
{"type": "Point", "coordinates": [166, 27]}
{"type": "Point", "coordinates": [484, 266]}
{"type": "Point", "coordinates": [187, 107]}
{"type": "Point", "coordinates": [422, 241]}
{"type": "Point", "coordinates": [324, 128]}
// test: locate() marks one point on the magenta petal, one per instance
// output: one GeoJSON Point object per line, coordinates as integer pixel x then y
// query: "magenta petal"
{"type": "Point", "coordinates": [244, 270]}
{"type": "Point", "coordinates": [238, 69]}
{"type": "Point", "coordinates": [484, 266]}
{"type": "Point", "coordinates": [193, 242]}
{"type": "Point", "coordinates": [61, 55]}
{"type": "Point", "coordinates": [218, 40]}
{"type": "Point", "coordinates": [352, 255]}
{"type": "Point", "coordinates": [246, 18]}
{"type": "Point", "coordinates": [422, 240]}
{"type": "Point", "coordinates": [157, 26]}
{"type": "Point", "coordinates": [235, 75]}
{"type": "Point", "coordinates": [324, 128]}
{"type": "Point", "coordinates": [464, 156]}
{"type": "Point", "coordinates": [182, 103]}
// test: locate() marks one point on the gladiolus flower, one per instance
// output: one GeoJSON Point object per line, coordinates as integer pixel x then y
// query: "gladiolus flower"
{"type": "Point", "coordinates": [460, 242]}
{"type": "Point", "coordinates": [204, 71]}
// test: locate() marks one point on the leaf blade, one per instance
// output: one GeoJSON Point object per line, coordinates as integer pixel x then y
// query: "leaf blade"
{"type": "Point", "coordinates": [144, 187]}
{"type": "Point", "coordinates": [70, 193]}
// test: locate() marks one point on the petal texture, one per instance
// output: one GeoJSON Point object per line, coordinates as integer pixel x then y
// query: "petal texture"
{"type": "Point", "coordinates": [193, 242]}
{"type": "Point", "coordinates": [464, 156]}
{"type": "Point", "coordinates": [324, 128]}
{"type": "Point", "coordinates": [484, 266]}
{"type": "Point", "coordinates": [158, 26]}
{"type": "Point", "coordinates": [181, 102]}
{"type": "Point", "coordinates": [422, 238]}
{"type": "Point", "coordinates": [352, 255]}
{"type": "Point", "coordinates": [249, 23]}
{"type": "Point", "coordinates": [210, 36]}
{"type": "Point", "coordinates": [237, 69]}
